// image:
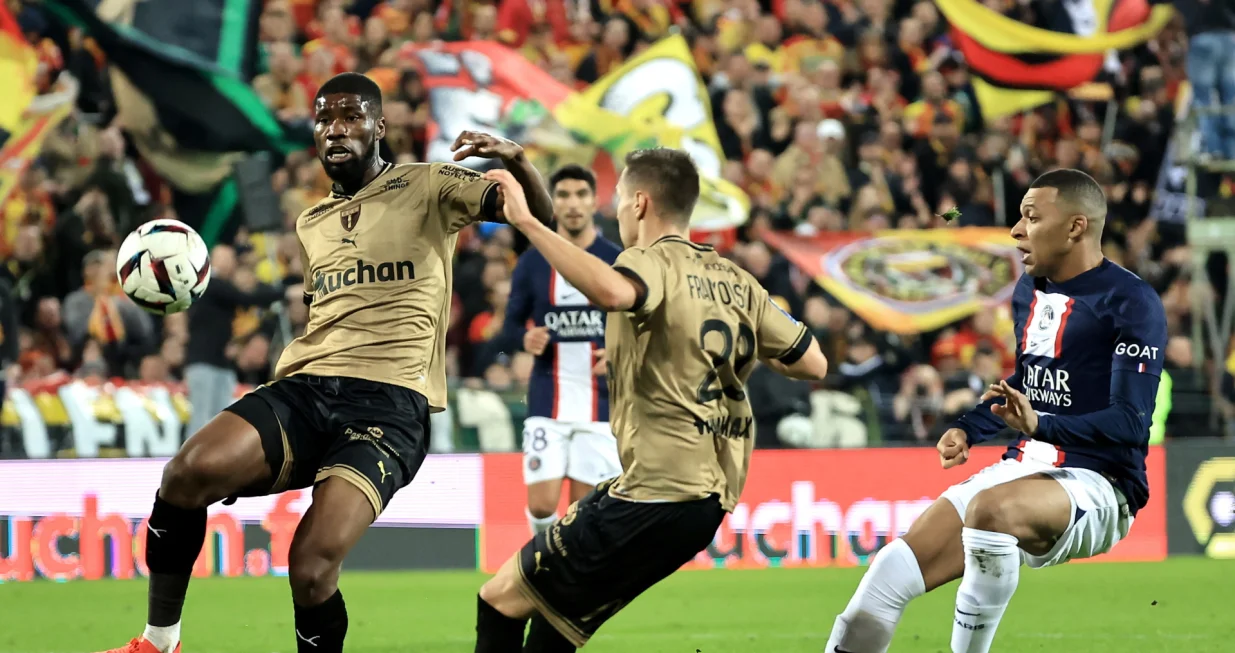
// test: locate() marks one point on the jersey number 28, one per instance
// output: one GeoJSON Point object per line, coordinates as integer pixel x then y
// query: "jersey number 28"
{"type": "Point", "coordinates": [724, 361]}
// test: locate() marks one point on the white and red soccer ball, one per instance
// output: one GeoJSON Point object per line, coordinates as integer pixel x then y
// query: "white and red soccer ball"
{"type": "Point", "coordinates": [163, 266]}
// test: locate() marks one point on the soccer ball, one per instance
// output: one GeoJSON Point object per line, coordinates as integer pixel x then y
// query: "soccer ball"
{"type": "Point", "coordinates": [163, 266]}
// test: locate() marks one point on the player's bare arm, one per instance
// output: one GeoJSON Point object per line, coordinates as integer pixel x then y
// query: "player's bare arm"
{"type": "Point", "coordinates": [812, 366]}
{"type": "Point", "coordinates": [597, 280]}
{"type": "Point", "coordinates": [486, 146]}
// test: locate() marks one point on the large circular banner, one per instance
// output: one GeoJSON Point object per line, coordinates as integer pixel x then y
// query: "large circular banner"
{"type": "Point", "coordinates": [909, 281]}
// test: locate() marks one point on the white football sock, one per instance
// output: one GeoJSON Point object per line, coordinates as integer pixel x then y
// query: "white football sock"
{"type": "Point", "coordinates": [893, 580]}
{"type": "Point", "coordinates": [164, 638]}
{"type": "Point", "coordinates": [539, 524]}
{"type": "Point", "coordinates": [992, 569]}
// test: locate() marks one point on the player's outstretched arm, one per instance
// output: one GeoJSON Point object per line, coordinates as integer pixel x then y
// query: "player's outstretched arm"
{"type": "Point", "coordinates": [487, 146]}
{"type": "Point", "coordinates": [518, 307]}
{"type": "Point", "coordinates": [597, 280]}
{"type": "Point", "coordinates": [812, 366]}
{"type": "Point", "coordinates": [786, 345]}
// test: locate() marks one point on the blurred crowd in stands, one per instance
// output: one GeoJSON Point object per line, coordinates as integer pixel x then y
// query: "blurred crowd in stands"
{"type": "Point", "coordinates": [834, 115]}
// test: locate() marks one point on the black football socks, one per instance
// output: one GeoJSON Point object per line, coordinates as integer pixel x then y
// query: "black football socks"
{"type": "Point", "coordinates": [544, 638]}
{"type": "Point", "coordinates": [321, 628]}
{"type": "Point", "coordinates": [174, 538]}
{"type": "Point", "coordinates": [495, 632]}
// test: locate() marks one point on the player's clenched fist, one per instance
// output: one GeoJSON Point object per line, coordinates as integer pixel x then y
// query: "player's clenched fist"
{"type": "Point", "coordinates": [953, 448]}
{"type": "Point", "coordinates": [535, 340]}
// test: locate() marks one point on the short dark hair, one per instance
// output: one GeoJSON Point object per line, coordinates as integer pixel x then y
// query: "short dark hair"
{"type": "Point", "coordinates": [669, 176]}
{"type": "Point", "coordinates": [352, 84]}
{"type": "Point", "coordinates": [1078, 192]}
{"type": "Point", "coordinates": [572, 171]}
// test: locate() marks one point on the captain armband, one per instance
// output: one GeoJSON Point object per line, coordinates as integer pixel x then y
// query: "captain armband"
{"type": "Point", "coordinates": [489, 206]}
{"type": "Point", "coordinates": [799, 348]}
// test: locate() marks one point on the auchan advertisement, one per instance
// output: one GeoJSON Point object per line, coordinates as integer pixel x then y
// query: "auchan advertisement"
{"type": "Point", "coordinates": [816, 508]}
{"type": "Point", "coordinates": [85, 519]}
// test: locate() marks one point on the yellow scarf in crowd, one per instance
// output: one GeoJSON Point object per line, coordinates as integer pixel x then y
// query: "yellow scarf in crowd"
{"type": "Point", "coordinates": [105, 323]}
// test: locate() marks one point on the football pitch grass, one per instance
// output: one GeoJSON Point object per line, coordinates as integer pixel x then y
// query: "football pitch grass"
{"type": "Point", "coordinates": [1177, 605]}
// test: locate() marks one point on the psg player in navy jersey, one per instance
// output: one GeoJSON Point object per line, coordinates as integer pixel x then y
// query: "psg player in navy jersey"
{"type": "Point", "coordinates": [1090, 345]}
{"type": "Point", "coordinates": [566, 434]}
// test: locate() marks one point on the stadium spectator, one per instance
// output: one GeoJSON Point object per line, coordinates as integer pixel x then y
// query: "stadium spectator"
{"type": "Point", "coordinates": [1211, 69]}
{"type": "Point", "coordinates": [101, 324]}
{"type": "Point", "coordinates": [210, 368]}
{"type": "Point", "coordinates": [10, 335]}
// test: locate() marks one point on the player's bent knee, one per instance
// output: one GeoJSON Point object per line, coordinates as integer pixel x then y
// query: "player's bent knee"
{"type": "Point", "coordinates": [502, 595]}
{"type": "Point", "coordinates": [218, 461]}
{"type": "Point", "coordinates": [496, 590]}
{"type": "Point", "coordinates": [197, 477]}
{"type": "Point", "coordinates": [996, 511]}
{"type": "Point", "coordinates": [313, 573]}
{"type": "Point", "coordinates": [541, 509]}
{"type": "Point", "coordinates": [543, 498]}
{"type": "Point", "coordinates": [502, 592]}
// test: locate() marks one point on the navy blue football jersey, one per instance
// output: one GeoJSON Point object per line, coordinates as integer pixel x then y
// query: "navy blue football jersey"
{"type": "Point", "coordinates": [1089, 354]}
{"type": "Point", "coordinates": [562, 386]}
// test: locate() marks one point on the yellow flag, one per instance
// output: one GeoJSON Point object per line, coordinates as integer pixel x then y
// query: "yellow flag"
{"type": "Point", "coordinates": [1003, 34]}
{"type": "Point", "coordinates": [658, 99]}
{"type": "Point", "coordinates": [18, 65]}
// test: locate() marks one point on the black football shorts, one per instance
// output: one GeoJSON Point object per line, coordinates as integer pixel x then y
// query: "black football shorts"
{"type": "Point", "coordinates": [372, 435]}
{"type": "Point", "coordinates": [604, 552]}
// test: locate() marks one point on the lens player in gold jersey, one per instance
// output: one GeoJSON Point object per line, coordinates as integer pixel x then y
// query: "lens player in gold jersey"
{"type": "Point", "coordinates": [685, 329]}
{"type": "Point", "coordinates": [349, 413]}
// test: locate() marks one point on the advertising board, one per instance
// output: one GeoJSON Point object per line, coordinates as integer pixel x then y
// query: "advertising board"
{"type": "Point", "coordinates": [85, 519]}
{"type": "Point", "coordinates": [67, 519]}
{"type": "Point", "coordinates": [1200, 491]}
{"type": "Point", "coordinates": [816, 508]}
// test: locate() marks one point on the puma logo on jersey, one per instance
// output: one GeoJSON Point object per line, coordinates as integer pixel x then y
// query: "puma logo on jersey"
{"type": "Point", "coordinates": [349, 241]}
{"type": "Point", "coordinates": [381, 467]}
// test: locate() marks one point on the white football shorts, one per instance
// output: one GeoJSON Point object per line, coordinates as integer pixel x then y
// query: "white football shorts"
{"type": "Point", "coordinates": [1100, 516]}
{"type": "Point", "coordinates": [583, 451]}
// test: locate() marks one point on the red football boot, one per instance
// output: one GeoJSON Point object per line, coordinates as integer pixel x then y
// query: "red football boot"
{"type": "Point", "coordinates": [139, 645]}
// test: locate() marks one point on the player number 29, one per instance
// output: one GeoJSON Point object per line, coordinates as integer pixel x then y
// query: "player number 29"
{"type": "Point", "coordinates": [724, 361]}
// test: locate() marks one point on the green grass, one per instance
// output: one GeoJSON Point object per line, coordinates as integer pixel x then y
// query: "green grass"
{"type": "Point", "coordinates": [1075, 608]}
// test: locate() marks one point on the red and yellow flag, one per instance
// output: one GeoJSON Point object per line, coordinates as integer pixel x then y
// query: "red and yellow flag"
{"type": "Point", "coordinates": [1017, 66]}
{"type": "Point", "coordinates": [18, 65]}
